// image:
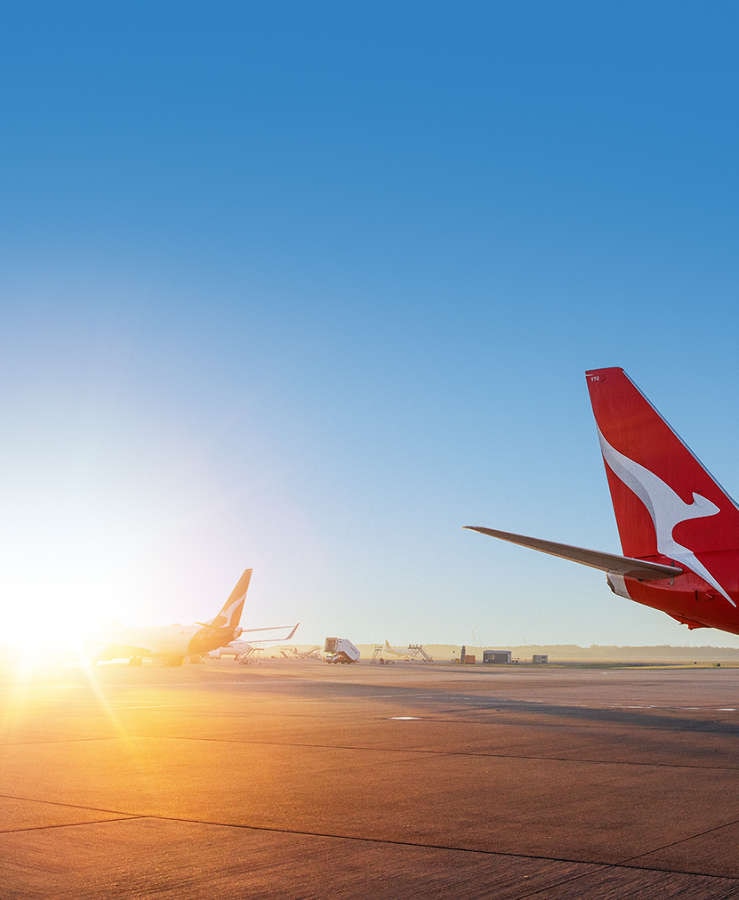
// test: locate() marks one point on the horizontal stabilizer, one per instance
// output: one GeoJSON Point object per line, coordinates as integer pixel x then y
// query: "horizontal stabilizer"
{"type": "Point", "coordinates": [275, 637]}
{"type": "Point", "coordinates": [640, 569]}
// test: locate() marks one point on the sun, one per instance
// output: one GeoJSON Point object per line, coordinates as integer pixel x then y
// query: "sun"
{"type": "Point", "coordinates": [50, 623]}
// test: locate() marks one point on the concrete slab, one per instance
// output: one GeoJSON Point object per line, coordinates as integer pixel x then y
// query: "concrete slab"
{"type": "Point", "coordinates": [258, 782]}
{"type": "Point", "coordinates": [146, 857]}
{"type": "Point", "coordinates": [141, 858]}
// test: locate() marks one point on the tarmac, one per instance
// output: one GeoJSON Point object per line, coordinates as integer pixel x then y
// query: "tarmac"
{"type": "Point", "coordinates": [298, 779]}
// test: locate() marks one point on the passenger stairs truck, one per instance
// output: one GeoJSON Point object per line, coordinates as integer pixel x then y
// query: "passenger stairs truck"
{"type": "Point", "coordinates": [340, 650]}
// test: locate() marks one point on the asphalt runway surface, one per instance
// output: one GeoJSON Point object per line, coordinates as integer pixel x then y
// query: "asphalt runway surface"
{"type": "Point", "coordinates": [299, 779]}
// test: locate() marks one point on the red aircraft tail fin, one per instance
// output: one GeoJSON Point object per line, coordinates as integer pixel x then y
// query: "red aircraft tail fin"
{"type": "Point", "coordinates": [231, 610]}
{"type": "Point", "coordinates": [667, 505]}
{"type": "Point", "coordinates": [679, 528]}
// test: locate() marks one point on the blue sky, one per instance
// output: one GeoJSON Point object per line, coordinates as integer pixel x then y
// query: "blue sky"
{"type": "Point", "coordinates": [309, 288]}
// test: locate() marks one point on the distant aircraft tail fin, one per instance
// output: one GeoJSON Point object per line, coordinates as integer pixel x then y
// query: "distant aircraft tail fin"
{"type": "Point", "coordinates": [230, 614]}
{"type": "Point", "coordinates": [663, 497]}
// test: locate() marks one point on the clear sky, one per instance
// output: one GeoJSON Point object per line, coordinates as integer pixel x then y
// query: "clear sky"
{"type": "Point", "coordinates": [307, 287]}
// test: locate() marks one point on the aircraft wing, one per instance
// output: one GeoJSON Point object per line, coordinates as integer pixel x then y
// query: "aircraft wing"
{"type": "Point", "coordinates": [640, 569]}
{"type": "Point", "coordinates": [281, 636]}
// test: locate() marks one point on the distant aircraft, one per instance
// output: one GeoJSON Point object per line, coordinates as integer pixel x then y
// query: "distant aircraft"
{"type": "Point", "coordinates": [679, 529]}
{"type": "Point", "coordinates": [172, 643]}
{"type": "Point", "coordinates": [308, 653]}
{"type": "Point", "coordinates": [411, 652]}
{"type": "Point", "coordinates": [243, 651]}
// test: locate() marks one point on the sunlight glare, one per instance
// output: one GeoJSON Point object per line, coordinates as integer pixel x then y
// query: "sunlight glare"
{"type": "Point", "coordinates": [48, 623]}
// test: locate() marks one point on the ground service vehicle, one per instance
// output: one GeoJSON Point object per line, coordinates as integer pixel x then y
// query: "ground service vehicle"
{"type": "Point", "coordinates": [340, 650]}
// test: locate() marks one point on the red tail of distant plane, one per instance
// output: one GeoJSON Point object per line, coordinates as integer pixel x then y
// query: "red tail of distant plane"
{"type": "Point", "coordinates": [230, 614]}
{"type": "Point", "coordinates": [225, 627]}
{"type": "Point", "coordinates": [679, 529]}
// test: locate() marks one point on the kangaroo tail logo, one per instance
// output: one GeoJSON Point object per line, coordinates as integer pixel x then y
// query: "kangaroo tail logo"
{"type": "Point", "coordinates": [666, 508]}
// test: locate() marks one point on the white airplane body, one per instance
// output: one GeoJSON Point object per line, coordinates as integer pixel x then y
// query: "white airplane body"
{"type": "Point", "coordinates": [234, 648]}
{"type": "Point", "coordinates": [168, 641]}
{"type": "Point", "coordinates": [173, 643]}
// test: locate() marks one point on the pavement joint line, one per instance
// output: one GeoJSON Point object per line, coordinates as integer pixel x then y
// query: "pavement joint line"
{"type": "Point", "coordinates": [681, 840]}
{"type": "Point", "coordinates": [39, 742]}
{"type": "Point", "coordinates": [100, 809]}
{"type": "Point", "coordinates": [701, 726]}
{"type": "Point", "coordinates": [428, 751]}
{"type": "Point", "coordinates": [123, 816]}
{"type": "Point", "coordinates": [657, 723]}
{"type": "Point", "coordinates": [719, 725]}
{"type": "Point", "coordinates": [604, 868]}
{"type": "Point", "coordinates": [602, 864]}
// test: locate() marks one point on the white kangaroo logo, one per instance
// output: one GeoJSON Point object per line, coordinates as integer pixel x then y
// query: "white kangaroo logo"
{"type": "Point", "coordinates": [225, 615]}
{"type": "Point", "coordinates": [665, 507]}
